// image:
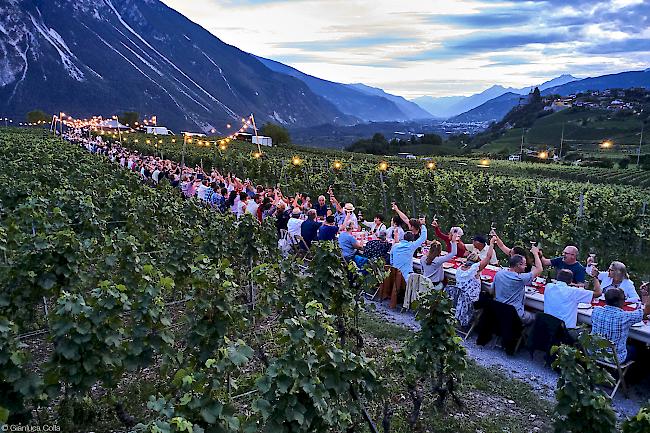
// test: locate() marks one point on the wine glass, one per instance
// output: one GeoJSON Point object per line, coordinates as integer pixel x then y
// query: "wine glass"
{"type": "Point", "coordinates": [493, 231]}
{"type": "Point", "coordinates": [592, 257]}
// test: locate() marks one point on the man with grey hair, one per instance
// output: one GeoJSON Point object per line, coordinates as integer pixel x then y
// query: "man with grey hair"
{"type": "Point", "coordinates": [377, 248]}
{"type": "Point", "coordinates": [568, 260]}
{"type": "Point", "coordinates": [510, 284]}
{"type": "Point", "coordinates": [321, 207]}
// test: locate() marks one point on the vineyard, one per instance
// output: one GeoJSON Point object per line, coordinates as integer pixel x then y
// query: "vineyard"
{"type": "Point", "coordinates": [324, 158]}
{"type": "Point", "coordinates": [610, 219]}
{"type": "Point", "coordinates": [129, 308]}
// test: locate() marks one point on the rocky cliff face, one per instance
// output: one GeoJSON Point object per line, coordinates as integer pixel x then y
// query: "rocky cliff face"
{"type": "Point", "coordinates": [106, 56]}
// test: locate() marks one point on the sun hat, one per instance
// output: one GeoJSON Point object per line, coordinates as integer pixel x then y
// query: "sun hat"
{"type": "Point", "coordinates": [348, 207]}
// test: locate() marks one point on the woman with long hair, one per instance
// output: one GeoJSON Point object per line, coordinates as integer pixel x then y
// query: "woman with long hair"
{"type": "Point", "coordinates": [433, 261]}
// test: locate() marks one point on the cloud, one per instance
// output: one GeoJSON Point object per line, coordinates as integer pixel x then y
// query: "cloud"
{"type": "Point", "coordinates": [633, 45]}
{"type": "Point", "coordinates": [435, 47]}
{"type": "Point", "coordinates": [345, 43]}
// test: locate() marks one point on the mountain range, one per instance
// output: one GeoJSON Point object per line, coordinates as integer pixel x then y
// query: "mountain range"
{"type": "Point", "coordinates": [102, 57]}
{"type": "Point", "coordinates": [495, 109]}
{"type": "Point", "coordinates": [449, 106]}
{"type": "Point", "coordinates": [87, 57]}
{"type": "Point", "coordinates": [358, 100]}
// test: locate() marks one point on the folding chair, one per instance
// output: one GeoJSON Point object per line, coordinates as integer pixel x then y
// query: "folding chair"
{"type": "Point", "coordinates": [303, 248]}
{"type": "Point", "coordinates": [503, 321]}
{"type": "Point", "coordinates": [547, 331]}
{"type": "Point", "coordinates": [284, 242]}
{"type": "Point", "coordinates": [621, 370]}
{"type": "Point", "coordinates": [471, 327]}
{"type": "Point", "coordinates": [454, 293]}
{"type": "Point", "coordinates": [374, 295]}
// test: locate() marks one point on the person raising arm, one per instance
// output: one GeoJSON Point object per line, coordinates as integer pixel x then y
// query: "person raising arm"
{"type": "Point", "coordinates": [537, 266]}
{"type": "Point", "coordinates": [486, 260]}
{"type": "Point", "coordinates": [447, 238]}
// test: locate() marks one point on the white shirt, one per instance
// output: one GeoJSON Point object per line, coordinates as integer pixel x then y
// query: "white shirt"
{"type": "Point", "coordinates": [606, 283]}
{"type": "Point", "coordinates": [561, 301]}
{"type": "Point", "coordinates": [483, 253]}
{"type": "Point", "coordinates": [374, 228]}
{"type": "Point", "coordinates": [200, 191]}
{"type": "Point", "coordinates": [390, 233]}
{"type": "Point", "coordinates": [293, 226]}
{"type": "Point", "coordinates": [241, 209]}
{"type": "Point", "coordinates": [252, 207]}
{"type": "Point", "coordinates": [465, 276]}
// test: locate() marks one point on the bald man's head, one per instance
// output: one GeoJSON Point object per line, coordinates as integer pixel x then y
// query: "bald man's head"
{"type": "Point", "coordinates": [570, 254]}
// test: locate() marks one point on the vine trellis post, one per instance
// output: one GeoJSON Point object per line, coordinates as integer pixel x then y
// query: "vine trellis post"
{"type": "Point", "coordinates": [413, 203]}
{"type": "Point", "coordinates": [45, 309]}
{"type": "Point", "coordinates": [383, 191]}
{"type": "Point", "coordinates": [581, 214]}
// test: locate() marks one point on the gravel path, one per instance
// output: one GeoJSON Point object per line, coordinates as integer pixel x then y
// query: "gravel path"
{"type": "Point", "coordinates": [521, 366]}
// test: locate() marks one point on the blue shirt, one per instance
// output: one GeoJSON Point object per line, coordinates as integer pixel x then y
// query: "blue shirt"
{"type": "Point", "coordinates": [510, 288]}
{"type": "Point", "coordinates": [614, 324]}
{"type": "Point", "coordinates": [346, 242]}
{"type": "Point", "coordinates": [309, 231]}
{"type": "Point", "coordinates": [579, 273]}
{"type": "Point", "coordinates": [401, 255]}
{"type": "Point", "coordinates": [327, 233]}
{"type": "Point", "coordinates": [321, 211]}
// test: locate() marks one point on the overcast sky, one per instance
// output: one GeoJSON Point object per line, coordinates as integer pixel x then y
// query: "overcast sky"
{"type": "Point", "coordinates": [437, 48]}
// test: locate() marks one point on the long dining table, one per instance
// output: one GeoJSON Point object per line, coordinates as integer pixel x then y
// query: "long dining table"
{"type": "Point", "coordinates": [534, 299]}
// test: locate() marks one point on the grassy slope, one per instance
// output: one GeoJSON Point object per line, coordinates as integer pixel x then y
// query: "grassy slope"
{"type": "Point", "coordinates": [582, 125]}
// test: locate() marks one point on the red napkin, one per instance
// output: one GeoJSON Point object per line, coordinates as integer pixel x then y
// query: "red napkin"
{"type": "Point", "coordinates": [539, 286]}
{"type": "Point", "coordinates": [489, 273]}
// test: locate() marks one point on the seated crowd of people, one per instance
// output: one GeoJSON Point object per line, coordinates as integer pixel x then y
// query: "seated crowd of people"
{"type": "Point", "coordinates": [300, 221]}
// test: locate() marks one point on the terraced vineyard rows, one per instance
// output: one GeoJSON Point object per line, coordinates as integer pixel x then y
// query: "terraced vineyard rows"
{"type": "Point", "coordinates": [524, 204]}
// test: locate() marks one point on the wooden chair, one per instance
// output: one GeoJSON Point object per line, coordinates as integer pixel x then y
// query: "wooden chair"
{"type": "Point", "coordinates": [391, 286]}
{"type": "Point", "coordinates": [620, 368]}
